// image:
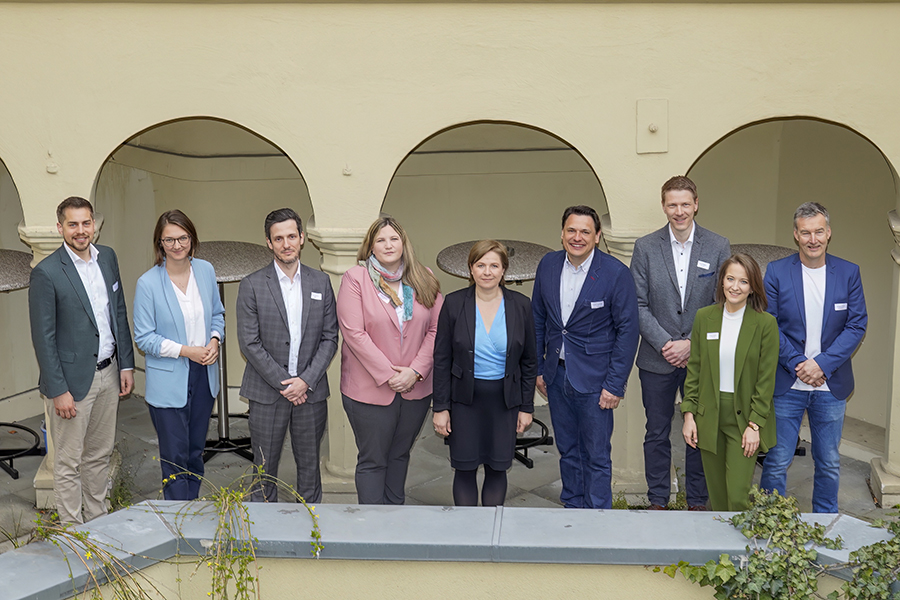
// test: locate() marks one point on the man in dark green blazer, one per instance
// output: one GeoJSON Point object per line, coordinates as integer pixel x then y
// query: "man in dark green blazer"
{"type": "Point", "coordinates": [79, 327]}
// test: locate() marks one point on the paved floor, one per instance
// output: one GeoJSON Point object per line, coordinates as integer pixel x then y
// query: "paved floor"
{"type": "Point", "coordinates": [429, 481]}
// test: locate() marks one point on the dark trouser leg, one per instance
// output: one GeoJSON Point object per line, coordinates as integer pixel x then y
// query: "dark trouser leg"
{"type": "Point", "coordinates": [199, 406]}
{"type": "Point", "coordinates": [268, 426]}
{"type": "Point", "coordinates": [565, 431]}
{"type": "Point", "coordinates": [493, 491]}
{"type": "Point", "coordinates": [171, 426]}
{"type": "Point", "coordinates": [373, 428]}
{"type": "Point", "coordinates": [307, 428]}
{"type": "Point", "coordinates": [409, 424]}
{"type": "Point", "coordinates": [658, 393]}
{"type": "Point", "coordinates": [465, 488]}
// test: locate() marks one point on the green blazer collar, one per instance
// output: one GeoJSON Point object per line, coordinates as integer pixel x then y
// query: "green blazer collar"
{"type": "Point", "coordinates": [749, 325]}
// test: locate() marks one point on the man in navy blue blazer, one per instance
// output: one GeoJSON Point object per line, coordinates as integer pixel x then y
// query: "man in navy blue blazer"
{"type": "Point", "coordinates": [586, 325]}
{"type": "Point", "coordinates": [818, 301]}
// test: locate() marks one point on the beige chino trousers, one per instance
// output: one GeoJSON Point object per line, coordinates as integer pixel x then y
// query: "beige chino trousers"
{"type": "Point", "coordinates": [83, 446]}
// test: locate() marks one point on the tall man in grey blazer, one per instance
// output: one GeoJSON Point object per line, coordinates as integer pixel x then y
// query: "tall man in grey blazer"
{"type": "Point", "coordinates": [288, 332]}
{"type": "Point", "coordinates": [674, 270]}
{"type": "Point", "coordinates": [79, 327]}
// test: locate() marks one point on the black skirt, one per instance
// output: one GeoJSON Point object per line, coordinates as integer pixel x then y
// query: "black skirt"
{"type": "Point", "coordinates": [484, 432]}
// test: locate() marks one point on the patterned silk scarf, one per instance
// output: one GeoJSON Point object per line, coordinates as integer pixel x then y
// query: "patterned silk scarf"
{"type": "Point", "coordinates": [381, 276]}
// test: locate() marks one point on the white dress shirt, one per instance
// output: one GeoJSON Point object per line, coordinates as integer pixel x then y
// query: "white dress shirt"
{"type": "Point", "coordinates": [191, 305]}
{"type": "Point", "coordinates": [293, 304]}
{"type": "Point", "coordinates": [570, 283]}
{"type": "Point", "coordinates": [814, 307]}
{"type": "Point", "coordinates": [681, 253]}
{"type": "Point", "coordinates": [95, 286]}
{"type": "Point", "coordinates": [731, 328]}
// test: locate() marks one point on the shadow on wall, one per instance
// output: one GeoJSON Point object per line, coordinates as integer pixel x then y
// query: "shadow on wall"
{"type": "Point", "coordinates": [488, 180]}
{"type": "Point", "coordinates": [750, 183]}
{"type": "Point", "coordinates": [224, 177]}
{"type": "Point", "coordinates": [18, 365]}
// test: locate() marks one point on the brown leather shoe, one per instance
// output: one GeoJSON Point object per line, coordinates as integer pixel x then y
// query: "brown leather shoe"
{"type": "Point", "coordinates": [656, 507]}
{"type": "Point", "coordinates": [698, 508]}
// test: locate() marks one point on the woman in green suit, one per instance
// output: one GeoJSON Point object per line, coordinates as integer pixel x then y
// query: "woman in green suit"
{"type": "Point", "coordinates": [730, 381]}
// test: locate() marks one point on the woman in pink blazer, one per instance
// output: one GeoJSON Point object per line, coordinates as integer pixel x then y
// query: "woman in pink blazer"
{"type": "Point", "coordinates": [388, 309]}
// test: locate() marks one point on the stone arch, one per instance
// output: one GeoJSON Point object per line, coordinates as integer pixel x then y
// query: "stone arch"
{"type": "Point", "coordinates": [224, 176]}
{"type": "Point", "coordinates": [751, 181]}
{"type": "Point", "coordinates": [488, 178]}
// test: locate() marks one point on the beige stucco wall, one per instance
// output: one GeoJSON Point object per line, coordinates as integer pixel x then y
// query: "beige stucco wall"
{"type": "Point", "coordinates": [348, 90]}
{"type": "Point", "coordinates": [402, 580]}
{"type": "Point", "coordinates": [751, 183]}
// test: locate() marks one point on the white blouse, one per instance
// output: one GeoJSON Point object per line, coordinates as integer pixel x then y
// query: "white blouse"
{"type": "Point", "coordinates": [194, 319]}
{"type": "Point", "coordinates": [731, 328]}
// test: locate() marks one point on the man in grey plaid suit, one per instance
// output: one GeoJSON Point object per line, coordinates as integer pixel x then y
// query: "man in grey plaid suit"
{"type": "Point", "coordinates": [288, 332]}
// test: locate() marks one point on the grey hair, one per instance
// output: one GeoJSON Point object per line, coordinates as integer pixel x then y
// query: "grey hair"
{"type": "Point", "coordinates": [810, 209]}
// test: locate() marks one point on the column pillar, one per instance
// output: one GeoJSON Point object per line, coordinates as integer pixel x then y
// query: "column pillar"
{"type": "Point", "coordinates": [885, 478]}
{"type": "Point", "coordinates": [630, 422]}
{"type": "Point", "coordinates": [44, 240]}
{"type": "Point", "coordinates": [338, 247]}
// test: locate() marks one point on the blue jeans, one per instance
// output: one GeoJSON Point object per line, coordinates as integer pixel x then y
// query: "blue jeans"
{"type": "Point", "coordinates": [582, 430]}
{"type": "Point", "coordinates": [826, 422]}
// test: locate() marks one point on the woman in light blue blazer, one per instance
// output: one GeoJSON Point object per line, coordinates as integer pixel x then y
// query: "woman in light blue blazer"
{"type": "Point", "coordinates": [178, 324]}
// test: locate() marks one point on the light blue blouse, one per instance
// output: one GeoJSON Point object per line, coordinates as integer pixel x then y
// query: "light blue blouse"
{"type": "Point", "coordinates": [490, 348]}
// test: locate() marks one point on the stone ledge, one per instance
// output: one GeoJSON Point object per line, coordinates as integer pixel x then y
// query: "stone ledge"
{"type": "Point", "coordinates": [154, 531]}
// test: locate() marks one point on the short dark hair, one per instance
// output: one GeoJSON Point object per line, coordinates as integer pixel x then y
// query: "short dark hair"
{"type": "Point", "coordinates": [584, 211]}
{"type": "Point", "coordinates": [679, 182]}
{"type": "Point", "coordinates": [179, 219]}
{"type": "Point", "coordinates": [480, 248]}
{"type": "Point", "coordinates": [757, 299]}
{"type": "Point", "coordinates": [280, 215]}
{"type": "Point", "coordinates": [72, 202]}
{"type": "Point", "coordinates": [808, 210]}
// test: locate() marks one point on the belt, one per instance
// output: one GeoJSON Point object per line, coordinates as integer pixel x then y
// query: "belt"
{"type": "Point", "coordinates": [562, 363]}
{"type": "Point", "coordinates": [105, 362]}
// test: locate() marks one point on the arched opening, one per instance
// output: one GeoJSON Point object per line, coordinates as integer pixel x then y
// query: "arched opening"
{"type": "Point", "coordinates": [752, 180]}
{"type": "Point", "coordinates": [18, 369]}
{"type": "Point", "coordinates": [224, 177]}
{"type": "Point", "coordinates": [488, 179]}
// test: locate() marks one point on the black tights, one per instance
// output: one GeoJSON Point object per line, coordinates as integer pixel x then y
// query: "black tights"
{"type": "Point", "coordinates": [465, 487]}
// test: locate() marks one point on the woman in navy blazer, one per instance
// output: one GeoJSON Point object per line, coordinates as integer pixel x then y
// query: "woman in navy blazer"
{"type": "Point", "coordinates": [178, 324]}
{"type": "Point", "coordinates": [485, 366]}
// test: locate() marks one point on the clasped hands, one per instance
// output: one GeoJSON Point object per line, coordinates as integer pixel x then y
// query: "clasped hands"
{"type": "Point", "coordinates": [202, 355]}
{"type": "Point", "coordinates": [403, 380]}
{"type": "Point", "coordinates": [810, 373]}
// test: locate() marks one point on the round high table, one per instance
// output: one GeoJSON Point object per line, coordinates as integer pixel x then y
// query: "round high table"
{"type": "Point", "coordinates": [232, 261]}
{"type": "Point", "coordinates": [523, 259]}
{"type": "Point", "coordinates": [15, 274]}
{"type": "Point", "coordinates": [523, 262]}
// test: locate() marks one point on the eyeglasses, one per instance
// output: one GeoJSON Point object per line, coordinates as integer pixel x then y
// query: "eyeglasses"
{"type": "Point", "coordinates": [182, 241]}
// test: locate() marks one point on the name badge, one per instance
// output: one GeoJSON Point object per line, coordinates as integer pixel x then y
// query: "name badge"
{"type": "Point", "coordinates": [597, 304]}
{"type": "Point", "coordinates": [315, 295]}
{"type": "Point", "coordinates": [116, 288]}
{"type": "Point", "coordinates": [840, 306]}
{"type": "Point", "coordinates": [712, 335]}
{"type": "Point", "coordinates": [703, 264]}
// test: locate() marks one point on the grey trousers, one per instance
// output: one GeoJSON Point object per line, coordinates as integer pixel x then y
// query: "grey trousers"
{"type": "Point", "coordinates": [384, 437]}
{"type": "Point", "coordinates": [268, 426]}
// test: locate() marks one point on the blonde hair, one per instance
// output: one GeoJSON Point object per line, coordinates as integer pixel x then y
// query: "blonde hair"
{"type": "Point", "coordinates": [482, 247]}
{"type": "Point", "coordinates": [415, 275]}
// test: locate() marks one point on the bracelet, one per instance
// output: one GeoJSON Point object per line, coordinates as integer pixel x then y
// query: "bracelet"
{"type": "Point", "coordinates": [217, 338]}
{"type": "Point", "coordinates": [753, 426]}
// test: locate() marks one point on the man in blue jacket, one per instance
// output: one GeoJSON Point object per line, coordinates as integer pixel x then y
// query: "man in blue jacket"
{"type": "Point", "coordinates": [818, 301]}
{"type": "Point", "coordinates": [586, 325]}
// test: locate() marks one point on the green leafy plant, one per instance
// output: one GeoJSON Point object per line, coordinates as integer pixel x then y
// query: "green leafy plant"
{"type": "Point", "coordinates": [780, 560]}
